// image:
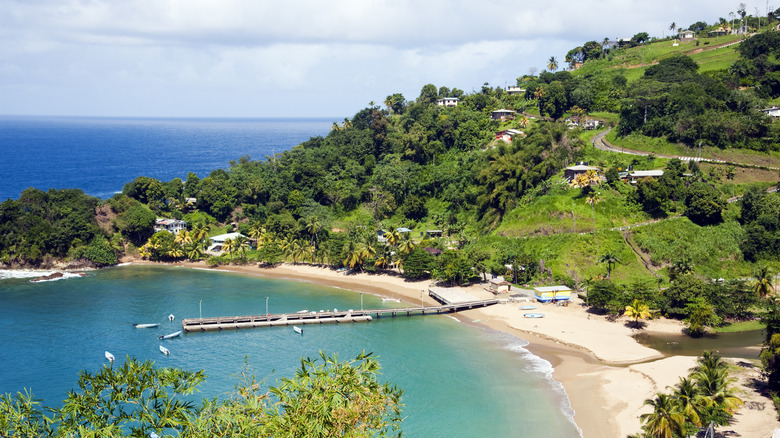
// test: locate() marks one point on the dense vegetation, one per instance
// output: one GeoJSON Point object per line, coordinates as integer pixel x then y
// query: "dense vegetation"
{"type": "Point", "coordinates": [326, 398]}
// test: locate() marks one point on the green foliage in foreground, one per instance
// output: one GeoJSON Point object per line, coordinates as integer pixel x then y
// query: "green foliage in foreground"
{"type": "Point", "coordinates": [705, 396]}
{"type": "Point", "coordinates": [324, 399]}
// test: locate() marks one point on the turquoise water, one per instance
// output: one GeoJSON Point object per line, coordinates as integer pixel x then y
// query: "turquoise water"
{"type": "Point", "coordinates": [457, 380]}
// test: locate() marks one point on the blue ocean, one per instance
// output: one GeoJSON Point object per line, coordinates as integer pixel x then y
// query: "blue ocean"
{"type": "Point", "coordinates": [458, 380]}
{"type": "Point", "coordinates": [100, 155]}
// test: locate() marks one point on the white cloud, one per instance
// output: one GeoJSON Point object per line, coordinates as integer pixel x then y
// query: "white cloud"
{"type": "Point", "coordinates": [263, 58]}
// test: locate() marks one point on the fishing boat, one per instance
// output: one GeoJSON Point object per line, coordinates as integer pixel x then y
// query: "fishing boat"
{"type": "Point", "coordinates": [164, 350]}
{"type": "Point", "coordinates": [534, 315]}
{"type": "Point", "coordinates": [297, 329]}
{"type": "Point", "coordinates": [110, 357]}
{"type": "Point", "coordinates": [145, 325]}
{"type": "Point", "coordinates": [527, 307]}
{"type": "Point", "coordinates": [171, 335]}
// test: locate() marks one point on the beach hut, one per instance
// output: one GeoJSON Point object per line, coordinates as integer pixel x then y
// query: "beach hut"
{"type": "Point", "coordinates": [499, 285]}
{"type": "Point", "coordinates": [545, 294]}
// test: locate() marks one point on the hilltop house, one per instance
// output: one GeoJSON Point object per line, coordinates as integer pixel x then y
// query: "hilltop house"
{"type": "Point", "coordinates": [571, 172]}
{"type": "Point", "coordinates": [636, 175]}
{"type": "Point", "coordinates": [502, 114]}
{"type": "Point", "coordinates": [172, 226]}
{"type": "Point", "coordinates": [508, 134]}
{"type": "Point", "coordinates": [773, 112]}
{"type": "Point", "coordinates": [514, 89]}
{"type": "Point", "coordinates": [687, 35]}
{"type": "Point", "coordinates": [447, 101]}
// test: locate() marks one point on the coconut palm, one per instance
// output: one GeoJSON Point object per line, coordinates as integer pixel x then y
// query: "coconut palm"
{"type": "Point", "coordinates": [673, 26]}
{"type": "Point", "coordinates": [193, 251]}
{"type": "Point", "coordinates": [666, 421]}
{"type": "Point", "coordinates": [611, 259]}
{"type": "Point", "coordinates": [763, 284]}
{"type": "Point", "coordinates": [256, 232]}
{"type": "Point", "coordinates": [637, 310]}
{"type": "Point", "coordinates": [229, 246]}
{"type": "Point", "coordinates": [407, 245]}
{"type": "Point", "coordinates": [393, 237]}
{"type": "Point", "coordinates": [199, 234]}
{"type": "Point", "coordinates": [552, 64]}
{"type": "Point", "coordinates": [313, 227]}
{"type": "Point", "coordinates": [241, 243]}
{"type": "Point", "coordinates": [353, 254]}
{"type": "Point", "coordinates": [183, 237]}
{"type": "Point", "coordinates": [689, 401]}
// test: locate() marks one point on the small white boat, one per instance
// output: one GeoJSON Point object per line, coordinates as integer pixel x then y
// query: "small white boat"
{"type": "Point", "coordinates": [110, 357]}
{"type": "Point", "coordinates": [164, 350]}
{"type": "Point", "coordinates": [171, 317]}
{"type": "Point", "coordinates": [527, 307]}
{"type": "Point", "coordinates": [534, 315]}
{"type": "Point", "coordinates": [297, 329]}
{"type": "Point", "coordinates": [145, 325]}
{"type": "Point", "coordinates": [392, 300]}
{"type": "Point", "coordinates": [171, 335]}
{"type": "Point", "coordinates": [303, 311]}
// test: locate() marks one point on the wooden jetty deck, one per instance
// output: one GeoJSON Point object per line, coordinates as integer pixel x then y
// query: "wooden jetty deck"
{"type": "Point", "coordinates": [282, 319]}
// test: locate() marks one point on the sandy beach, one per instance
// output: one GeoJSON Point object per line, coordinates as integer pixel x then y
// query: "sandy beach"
{"type": "Point", "coordinates": [607, 375]}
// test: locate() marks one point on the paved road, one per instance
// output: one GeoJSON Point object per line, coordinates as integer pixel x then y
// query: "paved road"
{"type": "Point", "coordinates": [601, 143]}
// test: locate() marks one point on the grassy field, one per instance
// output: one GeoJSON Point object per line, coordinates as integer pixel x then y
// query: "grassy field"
{"type": "Point", "coordinates": [633, 61]}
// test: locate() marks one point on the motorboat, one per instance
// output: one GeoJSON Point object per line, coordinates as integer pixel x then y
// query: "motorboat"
{"type": "Point", "coordinates": [145, 325]}
{"type": "Point", "coordinates": [171, 335]}
{"type": "Point", "coordinates": [298, 329]}
{"type": "Point", "coordinates": [171, 317]}
{"type": "Point", "coordinates": [110, 357]}
{"type": "Point", "coordinates": [164, 350]}
{"type": "Point", "coordinates": [533, 315]}
{"type": "Point", "coordinates": [303, 311]}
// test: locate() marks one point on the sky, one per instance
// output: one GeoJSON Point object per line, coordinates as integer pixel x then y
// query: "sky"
{"type": "Point", "coordinates": [257, 58]}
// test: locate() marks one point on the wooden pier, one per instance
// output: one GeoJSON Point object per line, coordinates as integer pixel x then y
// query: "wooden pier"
{"type": "Point", "coordinates": [283, 319]}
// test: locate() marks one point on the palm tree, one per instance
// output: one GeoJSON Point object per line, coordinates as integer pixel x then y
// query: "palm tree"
{"type": "Point", "coordinates": [611, 259]}
{"type": "Point", "coordinates": [689, 401]}
{"type": "Point", "coordinates": [637, 310]}
{"type": "Point", "coordinates": [183, 237]}
{"type": "Point", "coordinates": [763, 284]}
{"type": "Point", "coordinates": [714, 386]}
{"type": "Point", "coordinates": [672, 26]}
{"type": "Point", "coordinates": [193, 251]}
{"type": "Point", "coordinates": [199, 233]}
{"type": "Point", "coordinates": [393, 237]}
{"type": "Point", "coordinates": [229, 246]}
{"type": "Point", "coordinates": [592, 200]}
{"type": "Point", "coordinates": [241, 243]}
{"type": "Point", "coordinates": [313, 227]}
{"type": "Point", "coordinates": [256, 232]}
{"type": "Point", "coordinates": [665, 421]}
{"type": "Point", "coordinates": [353, 255]}
{"type": "Point", "coordinates": [552, 64]}
{"type": "Point", "coordinates": [407, 245]}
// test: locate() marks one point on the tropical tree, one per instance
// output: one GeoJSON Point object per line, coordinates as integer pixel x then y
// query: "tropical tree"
{"type": "Point", "coordinates": [313, 227]}
{"type": "Point", "coordinates": [407, 245]}
{"type": "Point", "coordinates": [714, 383]}
{"type": "Point", "coordinates": [393, 237]}
{"type": "Point", "coordinates": [552, 64]}
{"type": "Point", "coordinates": [763, 284]}
{"type": "Point", "coordinates": [183, 237]}
{"type": "Point", "coordinates": [689, 400]}
{"type": "Point", "coordinates": [666, 420]}
{"type": "Point", "coordinates": [637, 310]}
{"type": "Point", "coordinates": [701, 314]}
{"type": "Point", "coordinates": [193, 251]}
{"type": "Point", "coordinates": [199, 233]}
{"type": "Point", "coordinates": [610, 258]}
{"type": "Point", "coordinates": [673, 26]}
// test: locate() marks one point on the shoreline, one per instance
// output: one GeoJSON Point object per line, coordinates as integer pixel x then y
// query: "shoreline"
{"type": "Point", "coordinates": [593, 360]}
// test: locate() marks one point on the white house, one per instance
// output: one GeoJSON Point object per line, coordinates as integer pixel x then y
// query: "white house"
{"type": "Point", "coordinates": [218, 241]}
{"type": "Point", "coordinates": [687, 35]}
{"type": "Point", "coordinates": [172, 226]}
{"type": "Point", "coordinates": [514, 89]}
{"type": "Point", "coordinates": [773, 112]}
{"type": "Point", "coordinates": [447, 101]}
{"type": "Point", "coordinates": [502, 114]}
{"type": "Point", "coordinates": [641, 174]}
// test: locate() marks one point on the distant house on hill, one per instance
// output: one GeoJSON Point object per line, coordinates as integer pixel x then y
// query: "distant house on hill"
{"type": "Point", "coordinates": [687, 35]}
{"type": "Point", "coordinates": [508, 134]}
{"type": "Point", "coordinates": [502, 114]}
{"type": "Point", "coordinates": [636, 175]}
{"type": "Point", "coordinates": [217, 242]}
{"type": "Point", "coordinates": [773, 112]}
{"type": "Point", "coordinates": [447, 101]}
{"type": "Point", "coordinates": [571, 172]}
{"type": "Point", "coordinates": [172, 226]}
{"type": "Point", "coordinates": [721, 31]}
{"type": "Point", "coordinates": [514, 89]}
